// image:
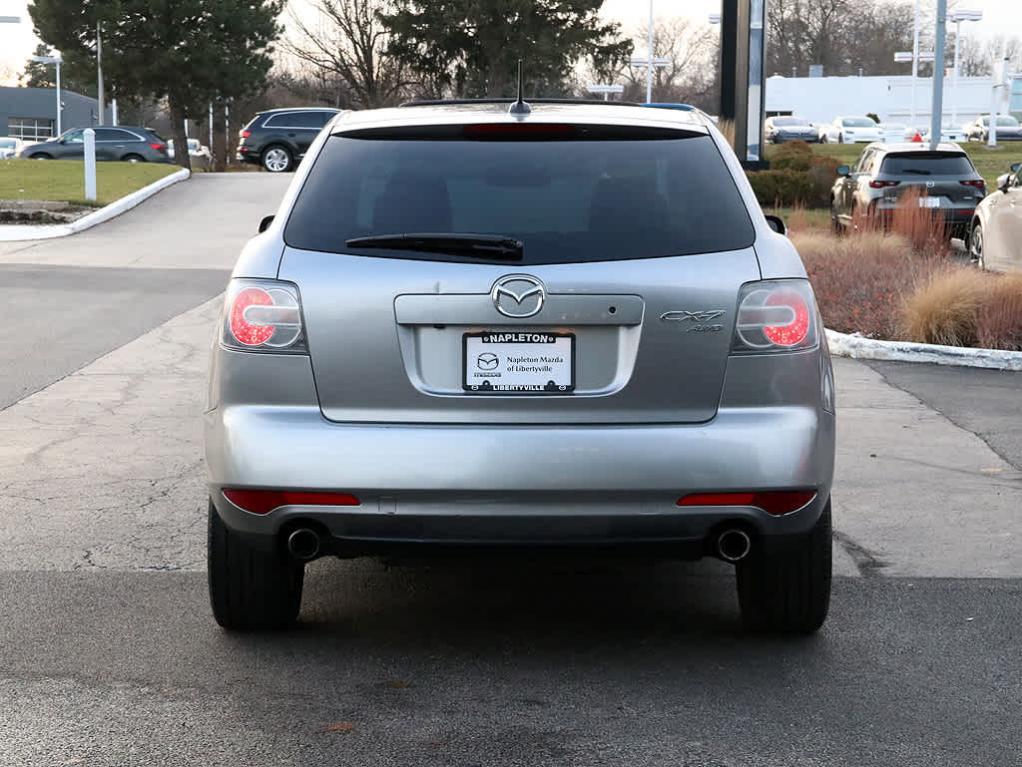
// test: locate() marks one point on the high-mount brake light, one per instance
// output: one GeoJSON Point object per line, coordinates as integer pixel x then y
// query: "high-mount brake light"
{"type": "Point", "coordinates": [775, 315]}
{"type": "Point", "coordinates": [263, 315]}
{"type": "Point", "coordinates": [517, 131]}
{"type": "Point", "coordinates": [773, 502]}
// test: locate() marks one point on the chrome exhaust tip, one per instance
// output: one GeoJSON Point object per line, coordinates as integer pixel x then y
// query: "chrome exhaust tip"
{"type": "Point", "coordinates": [733, 545]}
{"type": "Point", "coordinates": [303, 544]}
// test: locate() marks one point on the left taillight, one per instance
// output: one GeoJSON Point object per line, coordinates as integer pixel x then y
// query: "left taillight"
{"type": "Point", "coordinates": [775, 315]}
{"type": "Point", "coordinates": [263, 315]}
{"type": "Point", "coordinates": [158, 147]}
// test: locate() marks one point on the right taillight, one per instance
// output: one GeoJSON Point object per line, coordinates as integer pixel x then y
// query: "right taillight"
{"type": "Point", "coordinates": [263, 315]}
{"type": "Point", "coordinates": [775, 315]}
{"type": "Point", "coordinates": [244, 134]}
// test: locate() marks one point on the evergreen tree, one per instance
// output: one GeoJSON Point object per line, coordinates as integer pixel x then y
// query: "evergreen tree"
{"type": "Point", "coordinates": [189, 52]}
{"type": "Point", "coordinates": [73, 76]}
{"type": "Point", "coordinates": [471, 48]}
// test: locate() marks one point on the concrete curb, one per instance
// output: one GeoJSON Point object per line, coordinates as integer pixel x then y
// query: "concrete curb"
{"type": "Point", "coordinates": [23, 232]}
{"type": "Point", "coordinates": [860, 347]}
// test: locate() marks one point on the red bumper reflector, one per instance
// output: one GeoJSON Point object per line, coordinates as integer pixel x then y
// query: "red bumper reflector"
{"type": "Point", "coordinates": [265, 501]}
{"type": "Point", "coordinates": [774, 502]}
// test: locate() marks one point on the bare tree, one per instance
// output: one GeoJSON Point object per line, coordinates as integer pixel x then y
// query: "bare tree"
{"type": "Point", "coordinates": [978, 57]}
{"type": "Point", "coordinates": [691, 72]}
{"type": "Point", "coordinates": [843, 36]}
{"type": "Point", "coordinates": [345, 38]}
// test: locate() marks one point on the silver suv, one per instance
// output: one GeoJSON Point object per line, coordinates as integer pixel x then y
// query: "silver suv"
{"type": "Point", "coordinates": [568, 325]}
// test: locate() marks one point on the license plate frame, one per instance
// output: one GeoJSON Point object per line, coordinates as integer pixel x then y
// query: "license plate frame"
{"type": "Point", "coordinates": [929, 202]}
{"type": "Point", "coordinates": [554, 386]}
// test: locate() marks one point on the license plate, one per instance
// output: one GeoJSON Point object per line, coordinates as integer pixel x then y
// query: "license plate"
{"type": "Point", "coordinates": [929, 202]}
{"type": "Point", "coordinates": [520, 362]}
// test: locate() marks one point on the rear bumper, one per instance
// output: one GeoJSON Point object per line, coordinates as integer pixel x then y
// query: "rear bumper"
{"type": "Point", "coordinates": [950, 216]}
{"type": "Point", "coordinates": [519, 485]}
{"type": "Point", "coordinates": [506, 484]}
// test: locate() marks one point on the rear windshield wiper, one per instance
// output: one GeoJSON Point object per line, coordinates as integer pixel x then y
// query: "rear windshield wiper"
{"type": "Point", "coordinates": [455, 243]}
{"type": "Point", "coordinates": [917, 171]}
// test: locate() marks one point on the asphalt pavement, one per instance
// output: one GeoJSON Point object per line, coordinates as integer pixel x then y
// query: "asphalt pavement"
{"type": "Point", "coordinates": [109, 656]}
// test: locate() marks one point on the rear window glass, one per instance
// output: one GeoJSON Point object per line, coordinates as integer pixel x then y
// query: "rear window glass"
{"type": "Point", "coordinates": [566, 200]}
{"type": "Point", "coordinates": [927, 164]}
{"type": "Point", "coordinates": [788, 122]}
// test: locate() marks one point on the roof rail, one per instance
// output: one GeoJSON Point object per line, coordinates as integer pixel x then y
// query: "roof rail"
{"type": "Point", "coordinates": [511, 100]}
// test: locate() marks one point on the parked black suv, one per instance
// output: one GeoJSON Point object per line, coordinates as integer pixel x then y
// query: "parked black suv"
{"type": "Point", "coordinates": [113, 142]}
{"type": "Point", "coordinates": [278, 138]}
{"type": "Point", "coordinates": [945, 180]}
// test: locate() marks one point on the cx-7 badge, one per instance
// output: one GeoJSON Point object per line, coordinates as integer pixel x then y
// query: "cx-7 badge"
{"type": "Point", "coordinates": [701, 320]}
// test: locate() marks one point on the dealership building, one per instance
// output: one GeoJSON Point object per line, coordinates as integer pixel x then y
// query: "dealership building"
{"type": "Point", "coordinates": [821, 99]}
{"type": "Point", "coordinates": [31, 113]}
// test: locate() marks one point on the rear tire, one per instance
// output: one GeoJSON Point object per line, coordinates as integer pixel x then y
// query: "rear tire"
{"type": "Point", "coordinates": [788, 591]}
{"type": "Point", "coordinates": [277, 159]}
{"type": "Point", "coordinates": [250, 588]}
{"type": "Point", "coordinates": [133, 158]}
{"type": "Point", "coordinates": [976, 247]}
{"type": "Point", "coordinates": [41, 156]}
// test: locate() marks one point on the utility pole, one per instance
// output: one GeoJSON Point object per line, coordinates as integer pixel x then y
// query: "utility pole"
{"type": "Point", "coordinates": [958, 17]}
{"type": "Point", "coordinates": [649, 69]}
{"type": "Point", "coordinates": [99, 73]}
{"type": "Point", "coordinates": [936, 118]}
{"type": "Point", "coordinates": [915, 63]}
{"type": "Point", "coordinates": [1000, 75]}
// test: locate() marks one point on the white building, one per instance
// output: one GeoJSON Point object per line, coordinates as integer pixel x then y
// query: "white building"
{"type": "Point", "coordinates": [821, 99]}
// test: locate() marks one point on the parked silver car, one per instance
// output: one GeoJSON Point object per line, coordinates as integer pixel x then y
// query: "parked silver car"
{"type": "Point", "coordinates": [569, 325]}
{"type": "Point", "coordinates": [995, 238]}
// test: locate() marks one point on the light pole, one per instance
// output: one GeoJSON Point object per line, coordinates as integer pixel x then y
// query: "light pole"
{"type": "Point", "coordinates": [937, 112]}
{"type": "Point", "coordinates": [958, 17]}
{"type": "Point", "coordinates": [915, 56]}
{"type": "Point", "coordinates": [915, 61]}
{"type": "Point", "coordinates": [56, 60]}
{"type": "Point", "coordinates": [649, 69]}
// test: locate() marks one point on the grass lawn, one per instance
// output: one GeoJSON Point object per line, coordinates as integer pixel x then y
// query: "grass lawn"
{"type": "Point", "coordinates": [990, 163]}
{"type": "Point", "coordinates": [64, 180]}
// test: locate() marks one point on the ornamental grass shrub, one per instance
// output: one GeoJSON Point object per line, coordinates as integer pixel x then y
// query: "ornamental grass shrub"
{"type": "Point", "coordinates": [879, 285]}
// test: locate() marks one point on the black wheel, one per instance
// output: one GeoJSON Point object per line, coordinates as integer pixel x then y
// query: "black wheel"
{"type": "Point", "coordinates": [250, 588]}
{"type": "Point", "coordinates": [277, 159]}
{"type": "Point", "coordinates": [41, 156]}
{"type": "Point", "coordinates": [133, 158]}
{"type": "Point", "coordinates": [788, 591]}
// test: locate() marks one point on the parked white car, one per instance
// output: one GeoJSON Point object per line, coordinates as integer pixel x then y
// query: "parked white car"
{"type": "Point", "coordinates": [995, 238]}
{"type": "Point", "coordinates": [897, 133]}
{"type": "Point", "coordinates": [9, 147]}
{"type": "Point", "coordinates": [851, 130]}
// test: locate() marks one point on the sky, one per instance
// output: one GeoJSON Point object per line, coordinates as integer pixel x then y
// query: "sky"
{"type": "Point", "coordinates": [1000, 17]}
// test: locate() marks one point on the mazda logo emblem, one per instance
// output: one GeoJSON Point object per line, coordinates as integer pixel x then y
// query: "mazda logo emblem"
{"type": "Point", "coordinates": [518, 296]}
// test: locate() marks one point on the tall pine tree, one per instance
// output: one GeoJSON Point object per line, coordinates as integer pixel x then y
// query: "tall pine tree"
{"type": "Point", "coordinates": [187, 51]}
{"type": "Point", "coordinates": [470, 47]}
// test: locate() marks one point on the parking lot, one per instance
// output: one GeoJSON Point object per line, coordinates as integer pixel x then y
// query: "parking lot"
{"type": "Point", "coordinates": [108, 653]}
